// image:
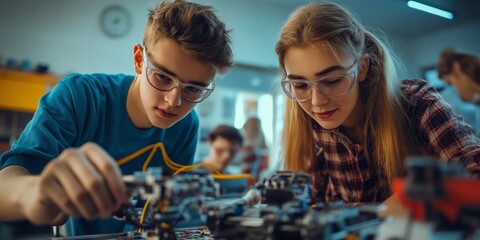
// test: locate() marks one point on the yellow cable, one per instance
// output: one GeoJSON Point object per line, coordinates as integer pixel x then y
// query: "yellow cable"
{"type": "Point", "coordinates": [134, 155]}
{"type": "Point", "coordinates": [171, 164]}
{"type": "Point", "coordinates": [144, 210]}
{"type": "Point", "coordinates": [212, 168]}
{"type": "Point", "coordinates": [178, 168]}
{"type": "Point", "coordinates": [149, 158]}
{"type": "Point", "coordinates": [193, 167]}
{"type": "Point", "coordinates": [232, 176]}
{"type": "Point", "coordinates": [187, 168]}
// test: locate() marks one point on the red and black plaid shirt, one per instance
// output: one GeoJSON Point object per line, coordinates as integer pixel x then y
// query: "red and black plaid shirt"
{"type": "Point", "coordinates": [345, 174]}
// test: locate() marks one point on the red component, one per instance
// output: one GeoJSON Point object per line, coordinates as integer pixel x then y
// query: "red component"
{"type": "Point", "coordinates": [459, 192]}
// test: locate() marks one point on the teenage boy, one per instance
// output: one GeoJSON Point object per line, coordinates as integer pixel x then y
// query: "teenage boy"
{"type": "Point", "coordinates": [64, 163]}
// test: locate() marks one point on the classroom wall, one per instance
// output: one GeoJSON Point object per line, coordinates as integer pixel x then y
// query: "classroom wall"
{"type": "Point", "coordinates": [66, 35]}
{"type": "Point", "coordinates": [426, 49]}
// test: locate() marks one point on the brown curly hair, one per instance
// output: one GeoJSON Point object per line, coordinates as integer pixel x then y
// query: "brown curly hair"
{"type": "Point", "coordinates": [195, 28]}
{"type": "Point", "coordinates": [469, 64]}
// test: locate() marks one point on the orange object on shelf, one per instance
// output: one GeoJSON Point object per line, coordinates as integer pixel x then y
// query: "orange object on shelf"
{"type": "Point", "coordinates": [4, 147]}
{"type": "Point", "coordinates": [20, 91]}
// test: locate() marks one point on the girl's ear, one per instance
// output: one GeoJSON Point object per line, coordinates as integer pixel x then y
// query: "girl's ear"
{"type": "Point", "coordinates": [138, 58]}
{"type": "Point", "coordinates": [363, 66]}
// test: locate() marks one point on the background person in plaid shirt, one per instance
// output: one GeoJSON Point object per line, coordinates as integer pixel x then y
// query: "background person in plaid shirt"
{"type": "Point", "coordinates": [348, 120]}
{"type": "Point", "coordinates": [253, 155]}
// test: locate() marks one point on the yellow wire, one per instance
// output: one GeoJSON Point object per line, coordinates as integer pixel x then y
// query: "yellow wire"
{"type": "Point", "coordinates": [171, 164]}
{"type": "Point", "coordinates": [187, 168]}
{"type": "Point", "coordinates": [232, 176]}
{"type": "Point", "coordinates": [134, 155]}
{"type": "Point", "coordinates": [144, 210]}
{"type": "Point", "coordinates": [149, 158]}
{"type": "Point", "coordinates": [178, 168]}
{"type": "Point", "coordinates": [212, 168]}
{"type": "Point", "coordinates": [193, 167]}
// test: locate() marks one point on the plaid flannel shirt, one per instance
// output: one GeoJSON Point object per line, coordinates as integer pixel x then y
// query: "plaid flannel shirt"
{"type": "Point", "coordinates": [344, 173]}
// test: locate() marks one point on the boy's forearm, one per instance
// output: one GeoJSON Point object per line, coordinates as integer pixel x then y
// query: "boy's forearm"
{"type": "Point", "coordinates": [14, 180]}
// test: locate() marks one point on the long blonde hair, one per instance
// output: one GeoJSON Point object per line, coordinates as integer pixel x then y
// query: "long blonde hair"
{"type": "Point", "coordinates": [385, 125]}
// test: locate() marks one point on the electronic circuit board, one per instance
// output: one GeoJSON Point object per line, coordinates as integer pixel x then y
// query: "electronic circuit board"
{"type": "Point", "coordinates": [193, 233]}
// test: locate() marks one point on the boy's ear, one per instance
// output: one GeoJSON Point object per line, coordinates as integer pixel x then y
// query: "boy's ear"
{"type": "Point", "coordinates": [363, 66]}
{"type": "Point", "coordinates": [457, 69]}
{"type": "Point", "coordinates": [138, 58]}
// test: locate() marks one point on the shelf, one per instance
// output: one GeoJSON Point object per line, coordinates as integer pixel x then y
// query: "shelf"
{"type": "Point", "coordinates": [4, 147]}
{"type": "Point", "coordinates": [21, 91]}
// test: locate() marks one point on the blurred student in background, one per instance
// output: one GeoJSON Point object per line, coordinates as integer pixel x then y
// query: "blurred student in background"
{"type": "Point", "coordinates": [253, 156]}
{"type": "Point", "coordinates": [224, 143]}
{"type": "Point", "coordinates": [462, 70]}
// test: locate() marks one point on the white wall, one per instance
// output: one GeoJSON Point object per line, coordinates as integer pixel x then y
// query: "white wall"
{"type": "Point", "coordinates": [404, 54]}
{"type": "Point", "coordinates": [66, 35]}
{"type": "Point", "coordinates": [256, 26]}
{"type": "Point", "coordinates": [426, 49]}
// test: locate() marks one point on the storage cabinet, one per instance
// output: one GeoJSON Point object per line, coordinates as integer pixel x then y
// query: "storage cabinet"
{"type": "Point", "coordinates": [19, 96]}
{"type": "Point", "coordinates": [20, 91]}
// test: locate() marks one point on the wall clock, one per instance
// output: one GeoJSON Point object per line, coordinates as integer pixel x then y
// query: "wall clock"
{"type": "Point", "coordinates": [115, 21]}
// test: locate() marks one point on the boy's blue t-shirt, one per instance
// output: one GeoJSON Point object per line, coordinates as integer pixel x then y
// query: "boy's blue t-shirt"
{"type": "Point", "coordinates": [92, 108]}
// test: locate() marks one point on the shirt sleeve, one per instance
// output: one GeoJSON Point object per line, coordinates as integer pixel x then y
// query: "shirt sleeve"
{"type": "Point", "coordinates": [449, 137]}
{"type": "Point", "coordinates": [51, 130]}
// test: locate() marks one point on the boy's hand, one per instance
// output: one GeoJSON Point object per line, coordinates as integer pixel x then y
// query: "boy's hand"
{"type": "Point", "coordinates": [81, 182]}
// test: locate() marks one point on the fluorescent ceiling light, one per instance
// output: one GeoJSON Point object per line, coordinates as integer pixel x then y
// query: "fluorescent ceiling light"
{"type": "Point", "coordinates": [430, 9]}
